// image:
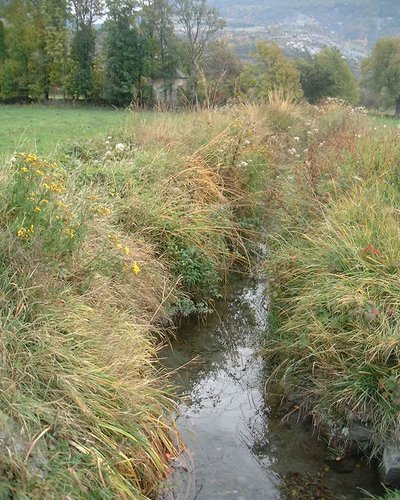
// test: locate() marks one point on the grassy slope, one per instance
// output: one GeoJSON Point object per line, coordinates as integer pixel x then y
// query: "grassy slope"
{"type": "Point", "coordinates": [44, 128]}
{"type": "Point", "coordinates": [97, 251]}
{"type": "Point", "coordinates": [335, 266]}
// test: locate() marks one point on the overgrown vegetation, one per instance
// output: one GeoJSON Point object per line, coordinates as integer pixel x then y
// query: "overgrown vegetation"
{"type": "Point", "coordinates": [107, 242]}
{"type": "Point", "coordinates": [100, 247]}
{"type": "Point", "coordinates": [335, 270]}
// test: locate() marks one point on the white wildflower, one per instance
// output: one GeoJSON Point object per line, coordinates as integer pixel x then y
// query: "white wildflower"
{"type": "Point", "coordinates": [119, 147]}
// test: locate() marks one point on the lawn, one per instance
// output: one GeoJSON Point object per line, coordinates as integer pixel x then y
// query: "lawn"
{"type": "Point", "coordinates": [43, 128]}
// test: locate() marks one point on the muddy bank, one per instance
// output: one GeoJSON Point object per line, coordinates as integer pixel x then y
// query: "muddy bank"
{"type": "Point", "coordinates": [239, 447]}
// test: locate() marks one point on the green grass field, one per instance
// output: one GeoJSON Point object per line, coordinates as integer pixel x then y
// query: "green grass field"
{"type": "Point", "coordinates": [388, 120]}
{"type": "Point", "coordinates": [44, 129]}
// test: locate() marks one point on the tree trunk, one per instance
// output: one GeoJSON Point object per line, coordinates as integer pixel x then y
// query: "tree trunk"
{"type": "Point", "coordinates": [397, 114]}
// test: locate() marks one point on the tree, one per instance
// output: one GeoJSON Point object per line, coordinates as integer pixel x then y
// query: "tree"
{"type": "Point", "coordinates": [125, 53]}
{"type": "Point", "coordinates": [198, 23]}
{"type": "Point", "coordinates": [272, 71]}
{"type": "Point", "coordinates": [158, 27]}
{"type": "Point", "coordinates": [314, 79]}
{"type": "Point", "coordinates": [220, 62]}
{"type": "Point", "coordinates": [55, 37]}
{"type": "Point", "coordinates": [221, 68]}
{"type": "Point", "coordinates": [30, 47]}
{"type": "Point", "coordinates": [18, 71]}
{"type": "Point", "coordinates": [328, 75]}
{"type": "Point", "coordinates": [381, 72]}
{"type": "Point", "coordinates": [86, 13]}
{"type": "Point", "coordinates": [2, 42]}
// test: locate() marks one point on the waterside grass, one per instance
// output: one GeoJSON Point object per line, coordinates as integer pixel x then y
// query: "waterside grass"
{"type": "Point", "coordinates": [335, 274]}
{"type": "Point", "coordinates": [101, 246]}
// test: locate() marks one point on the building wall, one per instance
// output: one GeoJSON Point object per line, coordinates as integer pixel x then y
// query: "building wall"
{"type": "Point", "coordinates": [172, 88]}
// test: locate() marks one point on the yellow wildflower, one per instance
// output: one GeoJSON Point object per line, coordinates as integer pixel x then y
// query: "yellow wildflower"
{"type": "Point", "coordinates": [127, 250]}
{"type": "Point", "coordinates": [118, 246]}
{"type": "Point", "coordinates": [24, 169]}
{"type": "Point", "coordinates": [135, 268]}
{"type": "Point", "coordinates": [104, 211]}
{"type": "Point", "coordinates": [57, 187]}
{"type": "Point", "coordinates": [39, 172]}
{"type": "Point", "coordinates": [38, 209]}
{"type": "Point", "coordinates": [44, 202]}
{"type": "Point", "coordinates": [71, 232]}
{"type": "Point", "coordinates": [30, 158]}
{"type": "Point", "coordinates": [24, 232]}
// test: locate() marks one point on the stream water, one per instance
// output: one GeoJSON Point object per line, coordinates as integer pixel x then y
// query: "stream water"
{"type": "Point", "coordinates": [239, 447]}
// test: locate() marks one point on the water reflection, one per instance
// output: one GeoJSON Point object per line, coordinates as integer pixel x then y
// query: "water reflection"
{"type": "Point", "coordinates": [238, 450]}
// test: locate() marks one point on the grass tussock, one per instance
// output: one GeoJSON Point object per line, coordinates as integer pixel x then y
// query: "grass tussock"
{"type": "Point", "coordinates": [336, 254]}
{"type": "Point", "coordinates": [99, 249]}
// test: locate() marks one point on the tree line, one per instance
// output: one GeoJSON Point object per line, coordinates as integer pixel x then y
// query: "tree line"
{"type": "Point", "coordinates": [99, 50]}
{"type": "Point", "coordinates": [328, 74]}
{"type": "Point", "coordinates": [110, 51]}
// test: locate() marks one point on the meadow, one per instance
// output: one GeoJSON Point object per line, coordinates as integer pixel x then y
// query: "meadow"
{"type": "Point", "coordinates": [44, 129]}
{"type": "Point", "coordinates": [109, 239]}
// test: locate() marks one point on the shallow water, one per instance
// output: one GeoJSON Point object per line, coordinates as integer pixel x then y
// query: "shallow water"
{"type": "Point", "coordinates": [238, 447]}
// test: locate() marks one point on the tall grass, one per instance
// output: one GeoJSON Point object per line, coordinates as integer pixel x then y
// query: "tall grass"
{"type": "Point", "coordinates": [99, 249]}
{"type": "Point", "coordinates": [335, 339]}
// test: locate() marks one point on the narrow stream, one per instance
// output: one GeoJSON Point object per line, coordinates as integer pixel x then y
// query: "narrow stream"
{"type": "Point", "coordinates": [238, 446]}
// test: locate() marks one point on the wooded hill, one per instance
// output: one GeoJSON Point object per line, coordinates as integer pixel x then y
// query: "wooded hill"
{"type": "Point", "coordinates": [353, 19]}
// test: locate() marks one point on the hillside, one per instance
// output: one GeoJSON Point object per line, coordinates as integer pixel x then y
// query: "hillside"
{"type": "Point", "coordinates": [307, 25]}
